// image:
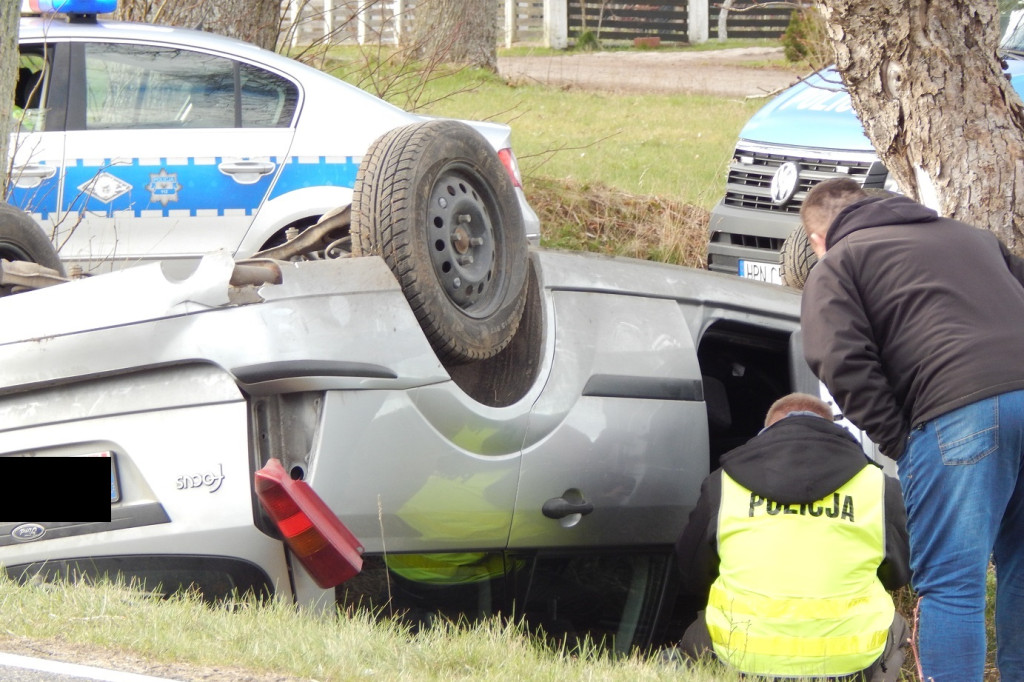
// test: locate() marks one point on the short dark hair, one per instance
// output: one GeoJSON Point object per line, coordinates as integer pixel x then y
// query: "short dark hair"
{"type": "Point", "coordinates": [825, 200]}
{"type": "Point", "coordinates": [797, 402]}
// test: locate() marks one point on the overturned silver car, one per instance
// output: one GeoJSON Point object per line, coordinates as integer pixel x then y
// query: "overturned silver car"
{"type": "Point", "coordinates": [501, 430]}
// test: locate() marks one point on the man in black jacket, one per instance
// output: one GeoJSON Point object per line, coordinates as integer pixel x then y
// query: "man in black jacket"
{"type": "Point", "coordinates": [915, 323]}
{"type": "Point", "coordinates": [793, 544]}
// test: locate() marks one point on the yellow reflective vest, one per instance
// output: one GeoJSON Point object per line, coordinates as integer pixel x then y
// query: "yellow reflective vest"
{"type": "Point", "coordinates": [797, 592]}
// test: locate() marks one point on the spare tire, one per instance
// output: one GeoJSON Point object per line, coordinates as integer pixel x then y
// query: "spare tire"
{"type": "Point", "coordinates": [21, 239]}
{"type": "Point", "coordinates": [434, 200]}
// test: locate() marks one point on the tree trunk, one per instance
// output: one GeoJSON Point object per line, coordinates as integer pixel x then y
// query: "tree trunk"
{"type": "Point", "coordinates": [9, 13]}
{"type": "Point", "coordinates": [925, 80]}
{"type": "Point", "coordinates": [723, 20]}
{"type": "Point", "coordinates": [457, 31]}
{"type": "Point", "coordinates": [254, 21]}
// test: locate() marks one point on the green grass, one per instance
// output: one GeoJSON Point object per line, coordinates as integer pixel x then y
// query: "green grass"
{"type": "Point", "coordinates": [111, 621]}
{"type": "Point", "coordinates": [624, 174]}
{"type": "Point", "coordinates": [108, 623]}
{"type": "Point", "coordinates": [673, 146]}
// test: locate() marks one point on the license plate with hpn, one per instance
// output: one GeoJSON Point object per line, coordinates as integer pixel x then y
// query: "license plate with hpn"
{"type": "Point", "coordinates": [762, 272]}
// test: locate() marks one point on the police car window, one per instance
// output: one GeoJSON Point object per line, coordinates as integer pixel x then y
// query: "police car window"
{"type": "Point", "coordinates": [267, 100]}
{"type": "Point", "coordinates": [31, 89]}
{"type": "Point", "coordinates": [142, 86]}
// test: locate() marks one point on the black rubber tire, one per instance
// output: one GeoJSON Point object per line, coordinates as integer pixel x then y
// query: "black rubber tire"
{"type": "Point", "coordinates": [22, 239]}
{"type": "Point", "coordinates": [797, 255]}
{"type": "Point", "coordinates": [436, 203]}
{"type": "Point", "coordinates": [797, 258]}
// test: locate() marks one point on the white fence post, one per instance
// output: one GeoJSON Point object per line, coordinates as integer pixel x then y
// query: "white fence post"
{"type": "Point", "coordinates": [697, 18]}
{"type": "Point", "coordinates": [328, 18]}
{"type": "Point", "coordinates": [511, 21]}
{"type": "Point", "coordinates": [398, 10]}
{"type": "Point", "coordinates": [556, 24]}
{"type": "Point", "coordinates": [293, 12]}
{"type": "Point", "coordinates": [363, 24]}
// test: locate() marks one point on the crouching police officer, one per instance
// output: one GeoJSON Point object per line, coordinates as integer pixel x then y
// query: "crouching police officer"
{"type": "Point", "coordinates": [793, 543]}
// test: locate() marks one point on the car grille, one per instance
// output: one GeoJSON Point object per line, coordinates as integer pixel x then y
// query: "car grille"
{"type": "Point", "coordinates": [752, 168]}
{"type": "Point", "coordinates": [753, 242]}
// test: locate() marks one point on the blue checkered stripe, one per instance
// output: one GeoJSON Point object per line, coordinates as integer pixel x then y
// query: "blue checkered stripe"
{"type": "Point", "coordinates": [168, 187]}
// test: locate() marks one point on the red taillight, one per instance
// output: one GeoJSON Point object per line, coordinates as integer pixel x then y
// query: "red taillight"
{"type": "Point", "coordinates": [508, 159]}
{"type": "Point", "coordinates": [322, 543]}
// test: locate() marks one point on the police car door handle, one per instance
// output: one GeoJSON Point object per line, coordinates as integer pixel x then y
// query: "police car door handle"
{"type": "Point", "coordinates": [31, 175]}
{"type": "Point", "coordinates": [34, 172]}
{"type": "Point", "coordinates": [559, 508]}
{"type": "Point", "coordinates": [247, 172]}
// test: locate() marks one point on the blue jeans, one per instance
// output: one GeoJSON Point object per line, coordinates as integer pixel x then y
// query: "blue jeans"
{"type": "Point", "coordinates": [964, 490]}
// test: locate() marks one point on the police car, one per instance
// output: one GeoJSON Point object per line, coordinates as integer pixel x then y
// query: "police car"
{"type": "Point", "coordinates": [137, 143]}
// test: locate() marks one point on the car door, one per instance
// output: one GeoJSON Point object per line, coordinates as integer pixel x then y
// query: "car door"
{"type": "Point", "coordinates": [623, 409]}
{"type": "Point", "coordinates": [169, 152]}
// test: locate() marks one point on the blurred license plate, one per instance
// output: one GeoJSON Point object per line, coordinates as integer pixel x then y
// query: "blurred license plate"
{"type": "Point", "coordinates": [762, 272]}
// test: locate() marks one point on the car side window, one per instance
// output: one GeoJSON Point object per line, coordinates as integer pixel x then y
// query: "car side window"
{"type": "Point", "coordinates": [267, 100]}
{"type": "Point", "coordinates": [146, 86]}
{"type": "Point", "coordinates": [612, 599]}
{"type": "Point", "coordinates": [31, 89]}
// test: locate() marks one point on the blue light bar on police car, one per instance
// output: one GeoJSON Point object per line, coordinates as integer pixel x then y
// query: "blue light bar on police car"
{"type": "Point", "coordinates": [70, 6]}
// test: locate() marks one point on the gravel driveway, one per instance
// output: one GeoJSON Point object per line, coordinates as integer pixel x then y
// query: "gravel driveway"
{"type": "Point", "coordinates": [733, 72]}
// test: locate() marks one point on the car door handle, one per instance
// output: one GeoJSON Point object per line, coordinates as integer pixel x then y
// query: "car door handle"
{"type": "Point", "coordinates": [559, 508]}
{"type": "Point", "coordinates": [31, 175]}
{"type": "Point", "coordinates": [247, 172]}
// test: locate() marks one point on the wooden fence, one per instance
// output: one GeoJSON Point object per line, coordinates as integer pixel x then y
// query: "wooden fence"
{"type": "Point", "coordinates": [627, 21]}
{"type": "Point", "coordinates": [756, 22]}
{"type": "Point", "coordinates": [523, 21]}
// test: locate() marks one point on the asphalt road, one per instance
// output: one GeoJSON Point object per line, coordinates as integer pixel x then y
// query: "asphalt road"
{"type": "Point", "coordinates": [14, 668]}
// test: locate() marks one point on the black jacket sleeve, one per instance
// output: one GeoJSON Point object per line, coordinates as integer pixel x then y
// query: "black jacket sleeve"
{"type": "Point", "coordinates": [894, 571]}
{"type": "Point", "coordinates": [697, 547]}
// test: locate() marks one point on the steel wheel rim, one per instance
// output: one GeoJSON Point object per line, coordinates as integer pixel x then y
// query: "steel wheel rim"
{"type": "Point", "coordinates": [462, 240]}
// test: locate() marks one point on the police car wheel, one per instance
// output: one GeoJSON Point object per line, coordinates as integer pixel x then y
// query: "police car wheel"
{"type": "Point", "coordinates": [21, 239]}
{"type": "Point", "coordinates": [797, 258]}
{"type": "Point", "coordinates": [436, 203]}
{"type": "Point", "coordinates": [797, 255]}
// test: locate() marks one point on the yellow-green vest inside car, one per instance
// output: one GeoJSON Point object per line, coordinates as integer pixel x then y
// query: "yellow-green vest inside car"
{"type": "Point", "coordinates": [797, 593]}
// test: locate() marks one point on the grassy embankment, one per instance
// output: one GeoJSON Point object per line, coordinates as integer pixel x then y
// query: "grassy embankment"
{"type": "Point", "coordinates": [627, 174]}
{"type": "Point", "coordinates": [182, 638]}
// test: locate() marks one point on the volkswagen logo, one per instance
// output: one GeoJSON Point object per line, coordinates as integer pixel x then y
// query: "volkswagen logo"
{"type": "Point", "coordinates": [27, 532]}
{"type": "Point", "coordinates": [784, 183]}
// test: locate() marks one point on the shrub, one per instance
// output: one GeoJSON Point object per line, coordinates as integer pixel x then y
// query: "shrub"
{"type": "Point", "coordinates": [805, 39]}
